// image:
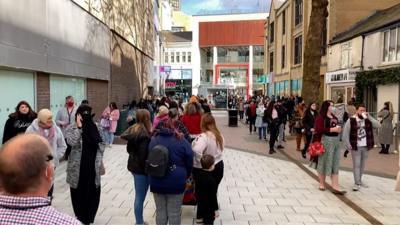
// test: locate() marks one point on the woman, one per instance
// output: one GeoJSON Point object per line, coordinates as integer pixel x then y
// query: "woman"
{"type": "Point", "coordinates": [18, 121]}
{"type": "Point", "coordinates": [241, 108]}
{"type": "Point", "coordinates": [308, 122]}
{"type": "Point", "coordinates": [47, 128]}
{"type": "Point", "coordinates": [298, 123]}
{"type": "Point", "coordinates": [273, 125]}
{"type": "Point", "coordinates": [210, 142]}
{"type": "Point", "coordinates": [386, 130]}
{"type": "Point", "coordinates": [252, 114]}
{"type": "Point", "coordinates": [327, 131]}
{"type": "Point", "coordinates": [262, 127]}
{"type": "Point", "coordinates": [110, 113]}
{"type": "Point", "coordinates": [168, 190]}
{"type": "Point", "coordinates": [192, 119]}
{"type": "Point", "coordinates": [161, 116]}
{"type": "Point", "coordinates": [84, 162]}
{"type": "Point", "coordinates": [138, 137]}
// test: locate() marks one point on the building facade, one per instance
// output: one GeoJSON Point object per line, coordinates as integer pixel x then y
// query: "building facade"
{"type": "Point", "coordinates": [371, 46]}
{"type": "Point", "coordinates": [176, 4]}
{"type": "Point", "coordinates": [178, 60]}
{"type": "Point", "coordinates": [287, 29]}
{"type": "Point", "coordinates": [229, 64]}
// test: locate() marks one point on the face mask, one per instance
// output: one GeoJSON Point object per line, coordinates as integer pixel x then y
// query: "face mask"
{"type": "Point", "coordinates": [334, 110]}
{"type": "Point", "coordinates": [70, 104]}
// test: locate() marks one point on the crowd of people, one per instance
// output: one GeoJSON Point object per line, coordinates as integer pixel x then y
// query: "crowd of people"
{"type": "Point", "coordinates": [185, 135]}
{"type": "Point", "coordinates": [181, 138]}
{"type": "Point", "coordinates": [332, 124]}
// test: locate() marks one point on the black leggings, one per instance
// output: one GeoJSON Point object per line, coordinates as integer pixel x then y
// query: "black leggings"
{"type": "Point", "coordinates": [308, 141]}
{"type": "Point", "coordinates": [252, 124]}
{"type": "Point", "coordinates": [274, 131]}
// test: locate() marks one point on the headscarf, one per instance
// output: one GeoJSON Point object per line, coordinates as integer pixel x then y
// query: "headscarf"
{"type": "Point", "coordinates": [90, 133]}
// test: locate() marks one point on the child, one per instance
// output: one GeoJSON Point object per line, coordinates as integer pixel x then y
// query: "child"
{"type": "Point", "coordinates": [206, 188]}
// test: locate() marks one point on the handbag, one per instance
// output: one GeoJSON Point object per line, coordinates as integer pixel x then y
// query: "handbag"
{"type": "Point", "coordinates": [189, 197]}
{"type": "Point", "coordinates": [315, 148]}
{"type": "Point", "coordinates": [105, 123]}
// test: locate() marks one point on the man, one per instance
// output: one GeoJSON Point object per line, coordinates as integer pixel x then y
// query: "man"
{"type": "Point", "coordinates": [66, 116]}
{"type": "Point", "coordinates": [282, 114]}
{"type": "Point", "coordinates": [26, 175]}
{"type": "Point", "coordinates": [359, 139]}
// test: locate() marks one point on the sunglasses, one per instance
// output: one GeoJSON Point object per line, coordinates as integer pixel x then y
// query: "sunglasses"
{"type": "Point", "coordinates": [49, 158]}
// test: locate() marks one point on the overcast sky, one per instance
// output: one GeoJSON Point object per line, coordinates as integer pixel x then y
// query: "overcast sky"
{"type": "Point", "coordinates": [197, 7]}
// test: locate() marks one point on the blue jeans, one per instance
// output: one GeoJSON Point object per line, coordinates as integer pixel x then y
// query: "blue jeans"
{"type": "Point", "coordinates": [108, 137]}
{"type": "Point", "coordinates": [141, 187]}
{"type": "Point", "coordinates": [262, 131]}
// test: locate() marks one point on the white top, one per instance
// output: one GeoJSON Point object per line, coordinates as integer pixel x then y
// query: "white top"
{"type": "Point", "coordinates": [206, 144]}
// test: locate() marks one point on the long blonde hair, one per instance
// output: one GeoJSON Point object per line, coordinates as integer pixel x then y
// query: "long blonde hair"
{"type": "Point", "coordinates": [208, 124]}
{"type": "Point", "coordinates": [143, 123]}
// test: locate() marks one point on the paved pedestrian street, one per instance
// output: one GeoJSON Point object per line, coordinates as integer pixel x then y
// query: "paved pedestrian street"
{"type": "Point", "coordinates": [255, 190]}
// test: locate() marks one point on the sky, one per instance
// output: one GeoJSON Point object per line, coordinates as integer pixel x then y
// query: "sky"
{"type": "Point", "coordinates": [199, 7]}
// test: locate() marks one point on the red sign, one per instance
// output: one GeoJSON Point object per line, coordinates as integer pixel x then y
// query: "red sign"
{"type": "Point", "coordinates": [170, 84]}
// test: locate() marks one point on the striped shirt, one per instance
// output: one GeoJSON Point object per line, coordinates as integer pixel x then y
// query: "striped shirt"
{"type": "Point", "coordinates": [31, 211]}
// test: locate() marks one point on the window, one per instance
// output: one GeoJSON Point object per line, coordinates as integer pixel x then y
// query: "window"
{"type": "Point", "coordinates": [298, 50]}
{"type": "Point", "coordinates": [209, 56]}
{"type": "Point", "coordinates": [172, 57]}
{"type": "Point", "coordinates": [283, 57]}
{"type": "Point", "coordinates": [345, 58]}
{"type": "Point", "coordinates": [183, 56]}
{"type": "Point", "coordinates": [271, 62]}
{"type": "Point", "coordinates": [178, 57]}
{"type": "Point", "coordinates": [391, 45]}
{"type": "Point", "coordinates": [189, 56]}
{"type": "Point", "coordinates": [271, 32]}
{"type": "Point", "coordinates": [283, 22]}
{"type": "Point", "coordinates": [166, 57]}
{"type": "Point", "coordinates": [298, 12]}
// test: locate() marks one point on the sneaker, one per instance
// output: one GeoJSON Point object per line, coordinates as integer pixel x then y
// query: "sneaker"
{"type": "Point", "coordinates": [364, 185]}
{"type": "Point", "coordinates": [356, 187]}
{"type": "Point", "coordinates": [280, 147]}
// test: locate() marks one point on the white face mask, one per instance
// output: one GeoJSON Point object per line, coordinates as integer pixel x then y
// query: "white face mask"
{"type": "Point", "coordinates": [334, 110]}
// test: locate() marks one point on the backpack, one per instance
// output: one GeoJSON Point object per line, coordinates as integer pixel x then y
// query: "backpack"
{"type": "Point", "coordinates": [157, 163]}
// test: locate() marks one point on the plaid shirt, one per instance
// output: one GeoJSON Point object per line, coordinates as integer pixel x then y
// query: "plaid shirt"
{"type": "Point", "coordinates": [31, 211]}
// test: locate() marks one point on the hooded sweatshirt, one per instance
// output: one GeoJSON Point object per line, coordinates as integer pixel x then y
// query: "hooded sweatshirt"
{"type": "Point", "coordinates": [57, 143]}
{"type": "Point", "coordinates": [15, 126]}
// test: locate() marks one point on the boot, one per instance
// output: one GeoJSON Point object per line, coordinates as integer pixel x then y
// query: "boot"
{"type": "Point", "coordinates": [383, 149]}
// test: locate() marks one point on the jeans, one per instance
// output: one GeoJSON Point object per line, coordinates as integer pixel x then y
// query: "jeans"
{"type": "Point", "coordinates": [108, 137]}
{"type": "Point", "coordinates": [168, 208]}
{"type": "Point", "coordinates": [241, 114]}
{"type": "Point", "coordinates": [141, 187]}
{"type": "Point", "coordinates": [359, 157]}
{"type": "Point", "coordinates": [262, 131]}
{"type": "Point", "coordinates": [281, 133]}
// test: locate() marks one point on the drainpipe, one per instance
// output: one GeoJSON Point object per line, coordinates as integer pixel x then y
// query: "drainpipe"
{"type": "Point", "coordinates": [362, 53]}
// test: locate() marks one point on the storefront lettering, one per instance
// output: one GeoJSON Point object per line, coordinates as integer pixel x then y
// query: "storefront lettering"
{"type": "Point", "coordinates": [340, 76]}
{"type": "Point", "coordinates": [170, 84]}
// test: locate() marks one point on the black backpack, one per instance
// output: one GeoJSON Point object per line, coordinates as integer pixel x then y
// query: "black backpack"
{"type": "Point", "coordinates": [157, 163]}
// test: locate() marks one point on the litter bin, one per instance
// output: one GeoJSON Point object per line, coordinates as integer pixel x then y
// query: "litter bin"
{"type": "Point", "coordinates": [122, 125]}
{"type": "Point", "coordinates": [233, 118]}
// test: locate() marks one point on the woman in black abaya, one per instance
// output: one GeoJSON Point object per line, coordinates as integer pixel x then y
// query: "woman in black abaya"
{"type": "Point", "coordinates": [84, 162]}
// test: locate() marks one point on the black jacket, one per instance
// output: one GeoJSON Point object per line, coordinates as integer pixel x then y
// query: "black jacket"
{"type": "Point", "coordinates": [15, 126]}
{"type": "Point", "coordinates": [309, 120]}
{"type": "Point", "coordinates": [137, 149]}
{"type": "Point", "coordinates": [282, 113]}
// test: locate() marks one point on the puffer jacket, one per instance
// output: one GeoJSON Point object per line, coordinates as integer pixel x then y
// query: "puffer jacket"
{"type": "Point", "coordinates": [138, 149]}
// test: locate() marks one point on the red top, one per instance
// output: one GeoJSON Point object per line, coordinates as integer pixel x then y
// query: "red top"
{"type": "Point", "coordinates": [192, 123]}
{"type": "Point", "coordinates": [253, 110]}
{"type": "Point", "coordinates": [323, 127]}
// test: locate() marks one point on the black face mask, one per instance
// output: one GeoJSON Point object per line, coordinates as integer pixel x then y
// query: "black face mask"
{"type": "Point", "coordinates": [360, 116]}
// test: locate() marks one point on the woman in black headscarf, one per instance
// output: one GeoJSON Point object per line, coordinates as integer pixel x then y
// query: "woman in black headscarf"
{"type": "Point", "coordinates": [84, 162]}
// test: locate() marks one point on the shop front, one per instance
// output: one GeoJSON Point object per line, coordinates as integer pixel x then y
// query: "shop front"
{"type": "Point", "coordinates": [282, 88]}
{"type": "Point", "coordinates": [234, 76]}
{"type": "Point", "coordinates": [340, 85]}
{"type": "Point", "coordinates": [179, 83]}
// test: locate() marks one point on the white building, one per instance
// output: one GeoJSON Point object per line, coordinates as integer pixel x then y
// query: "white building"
{"type": "Point", "coordinates": [371, 48]}
{"type": "Point", "coordinates": [178, 60]}
{"type": "Point", "coordinates": [228, 54]}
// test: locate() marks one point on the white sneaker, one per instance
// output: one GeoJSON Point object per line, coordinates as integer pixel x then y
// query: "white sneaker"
{"type": "Point", "coordinates": [356, 187]}
{"type": "Point", "coordinates": [364, 185]}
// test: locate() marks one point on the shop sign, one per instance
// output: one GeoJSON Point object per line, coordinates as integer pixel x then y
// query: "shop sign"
{"type": "Point", "coordinates": [341, 76]}
{"type": "Point", "coordinates": [170, 85]}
